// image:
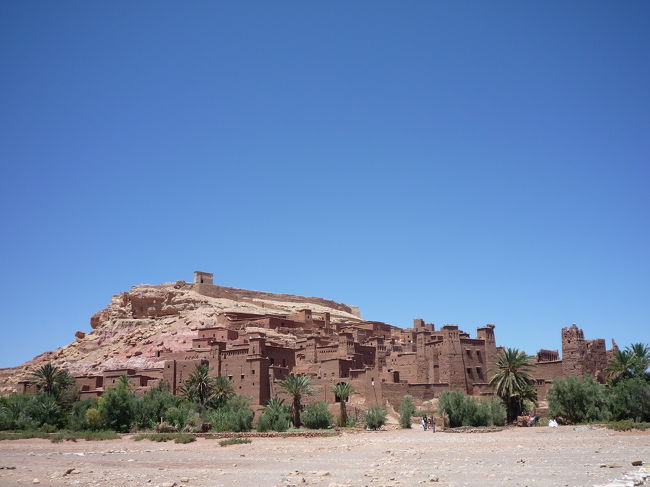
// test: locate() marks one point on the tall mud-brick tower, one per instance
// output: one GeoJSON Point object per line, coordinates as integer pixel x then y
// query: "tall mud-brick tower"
{"type": "Point", "coordinates": [452, 370]}
{"type": "Point", "coordinates": [573, 351]}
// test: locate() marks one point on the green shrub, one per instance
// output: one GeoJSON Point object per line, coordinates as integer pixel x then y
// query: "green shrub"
{"type": "Point", "coordinates": [351, 422]}
{"type": "Point", "coordinates": [234, 441]}
{"type": "Point", "coordinates": [497, 412]}
{"type": "Point", "coordinates": [93, 420]}
{"type": "Point", "coordinates": [481, 415]}
{"type": "Point", "coordinates": [577, 400]}
{"type": "Point", "coordinates": [406, 412]}
{"type": "Point", "coordinates": [77, 420]}
{"type": "Point", "coordinates": [317, 416]}
{"type": "Point", "coordinates": [100, 435]}
{"type": "Point", "coordinates": [48, 428]}
{"type": "Point", "coordinates": [184, 438]}
{"type": "Point", "coordinates": [155, 404]}
{"type": "Point", "coordinates": [485, 413]}
{"type": "Point", "coordinates": [63, 436]}
{"type": "Point", "coordinates": [628, 424]}
{"type": "Point", "coordinates": [236, 415]}
{"type": "Point", "coordinates": [375, 417]}
{"type": "Point", "coordinates": [14, 413]}
{"type": "Point", "coordinates": [182, 417]}
{"type": "Point", "coordinates": [159, 437]}
{"type": "Point", "coordinates": [86, 435]}
{"type": "Point", "coordinates": [117, 407]}
{"type": "Point", "coordinates": [464, 410]}
{"type": "Point", "coordinates": [276, 416]}
{"type": "Point", "coordinates": [43, 408]}
{"type": "Point", "coordinates": [22, 435]}
{"type": "Point", "coordinates": [630, 399]}
{"type": "Point", "coordinates": [458, 408]}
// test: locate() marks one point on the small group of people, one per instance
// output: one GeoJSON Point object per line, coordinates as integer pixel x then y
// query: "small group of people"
{"type": "Point", "coordinates": [428, 423]}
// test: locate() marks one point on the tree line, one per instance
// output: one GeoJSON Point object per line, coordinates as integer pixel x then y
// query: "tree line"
{"type": "Point", "coordinates": [205, 403]}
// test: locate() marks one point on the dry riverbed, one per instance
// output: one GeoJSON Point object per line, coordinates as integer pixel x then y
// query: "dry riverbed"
{"type": "Point", "coordinates": [565, 456]}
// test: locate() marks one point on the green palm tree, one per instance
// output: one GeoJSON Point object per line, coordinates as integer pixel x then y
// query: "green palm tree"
{"type": "Point", "coordinates": [223, 391]}
{"type": "Point", "coordinates": [276, 406]}
{"type": "Point", "coordinates": [512, 380]}
{"type": "Point", "coordinates": [629, 363]}
{"type": "Point", "coordinates": [200, 386]}
{"type": "Point", "coordinates": [297, 386]}
{"type": "Point", "coordinates": [51, 379]}
{"type": "Point", "coordinates": [621, 365]}
{"type": "Point", "coordinates": [123, 381]}
{"type": "Point", "coordinates": [343, 390]}
{"type": "Point", "coordinates": [641, 353]}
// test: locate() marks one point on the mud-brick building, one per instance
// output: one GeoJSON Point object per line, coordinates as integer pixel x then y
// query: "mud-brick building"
{"type": "Point", "coordinates": [579, 357]}
{"type": "Point", "coordinates": [263, 337]}
{"type": "Point", "coordinates": [382, 362]}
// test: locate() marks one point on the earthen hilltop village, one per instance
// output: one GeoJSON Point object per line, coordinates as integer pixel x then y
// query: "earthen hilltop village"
{"type": "Point", "coordinates": [156, 333]}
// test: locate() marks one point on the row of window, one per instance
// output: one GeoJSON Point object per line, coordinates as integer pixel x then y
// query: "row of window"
{"type": "Point", "coordinates": [478, 354]}
{"type": "Point", "coordinates": [479, 372]}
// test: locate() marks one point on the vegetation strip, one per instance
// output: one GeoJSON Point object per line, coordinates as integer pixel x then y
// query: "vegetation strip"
{"type": "Point", "coordinates": [209, 404]}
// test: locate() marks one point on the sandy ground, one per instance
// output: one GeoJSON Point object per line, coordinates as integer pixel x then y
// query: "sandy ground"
{"type": "Point", "coordinates": [565, 456]}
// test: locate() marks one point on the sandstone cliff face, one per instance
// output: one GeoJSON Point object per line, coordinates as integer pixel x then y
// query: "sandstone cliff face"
{"type": "Point", "coordinates": [147, 318]}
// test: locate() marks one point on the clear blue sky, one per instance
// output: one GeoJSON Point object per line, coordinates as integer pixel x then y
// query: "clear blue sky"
{"type": "Point", "coordinates": [463, 162]}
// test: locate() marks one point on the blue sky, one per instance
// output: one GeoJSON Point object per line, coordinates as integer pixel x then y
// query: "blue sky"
{"type": "Point", "coordinates": [463, 162]}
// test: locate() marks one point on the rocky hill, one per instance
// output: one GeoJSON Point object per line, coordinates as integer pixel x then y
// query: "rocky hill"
{"type": "Point", "coordinates": [127, 332]}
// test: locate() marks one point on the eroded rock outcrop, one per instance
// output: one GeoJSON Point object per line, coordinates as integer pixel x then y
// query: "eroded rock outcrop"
{"type": "Point", "coordinates": [136, 323]}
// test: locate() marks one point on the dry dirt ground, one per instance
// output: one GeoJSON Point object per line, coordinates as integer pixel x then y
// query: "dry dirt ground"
{"type": "Point", "coordinates": [565, 456]}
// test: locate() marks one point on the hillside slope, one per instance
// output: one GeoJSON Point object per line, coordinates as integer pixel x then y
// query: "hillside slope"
{"type": "Point", "coordinates": [136, 323]}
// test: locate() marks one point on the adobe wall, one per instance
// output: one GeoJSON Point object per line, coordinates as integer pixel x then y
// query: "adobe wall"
{"type": "Point", "coordinates": [547, 370]}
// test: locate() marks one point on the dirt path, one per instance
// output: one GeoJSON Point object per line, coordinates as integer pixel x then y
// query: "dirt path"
{"type": "Point", "coordinates": [564, 456]}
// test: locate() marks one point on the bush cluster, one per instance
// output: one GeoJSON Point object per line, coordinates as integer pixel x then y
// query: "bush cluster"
{"type": "Point", "coordinates": [627, 424]}
{"type": "Point", "coordinates": [375, 417]}
{"type": "Point", "coordinates": [583, 400]}
{"type": "Point", "coordinates": [234, 441]}
{"type": "Point", "coordinates": [317, 416]}
{"type": "Point", "coordinates": [463, 410]}
{"type": "Point", "coordinates": [276, 416]}
{"type": "Point", "coordinates": [159, 437]}
{"type": "Point", "coordinates": [235, 415]}
{"type": "Point", "coordinates": [406, 411]}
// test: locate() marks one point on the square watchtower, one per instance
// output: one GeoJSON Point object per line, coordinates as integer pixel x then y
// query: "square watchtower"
{"type": "Point", "coordinates": [203, 277]}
